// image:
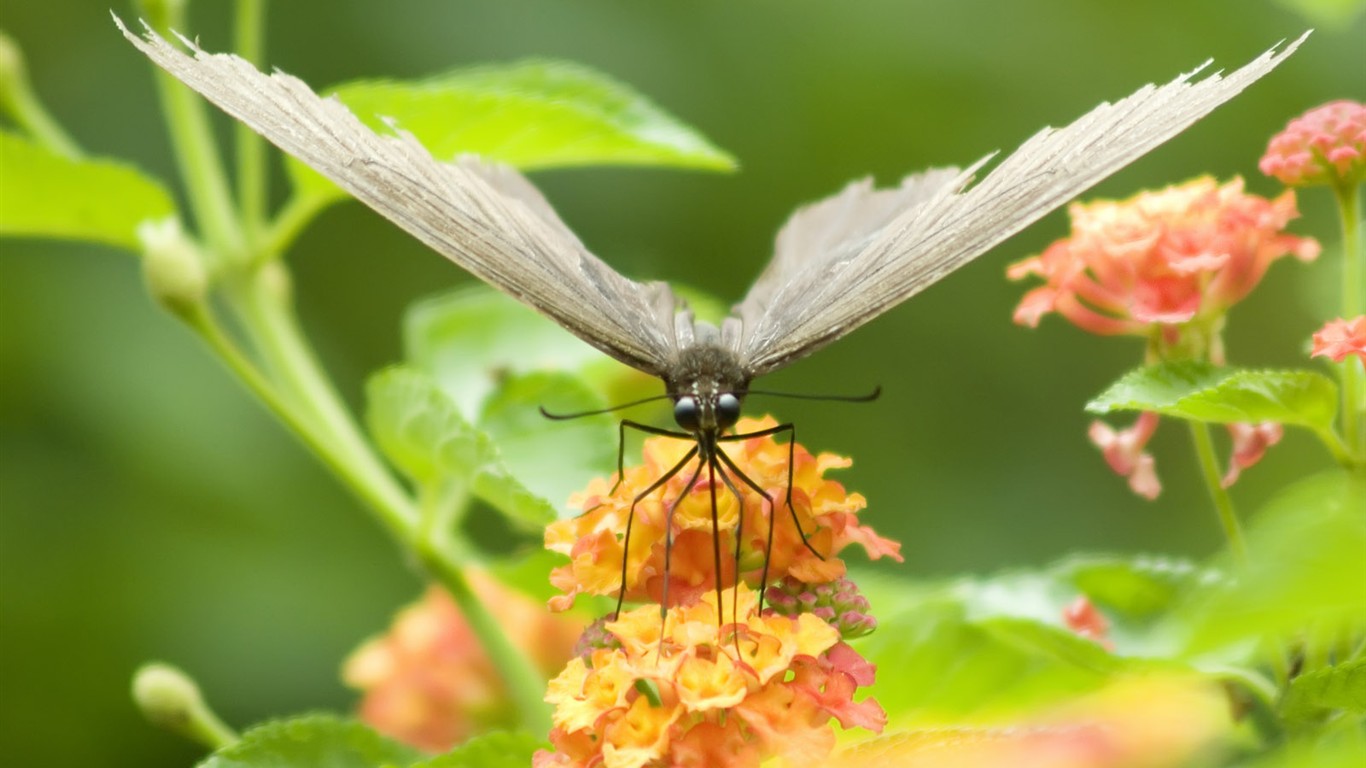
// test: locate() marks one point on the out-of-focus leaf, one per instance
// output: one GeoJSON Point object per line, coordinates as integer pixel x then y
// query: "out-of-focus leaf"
{"type": "Point", "coordinates": [421, 431]}
{"type": "Point", "coordinates": [1202, 392]}
{"type": "Point", "coordinates": [980, 648]}
{"type": "Point", "coordinates": [473, 338]}
{"type": "Point", "coordinates": [531, 114]}
{"type": "Point", "coordinates": [552, 458]}
{"type": "Point", "coordinates": [47, 195]}
{"type": "Point", "coordinates": [500, 749]}
{"type": "Point", "coordinates": [1315, 693]}
{"type": "Point", "coordinates": [1306, 572]}
{"type": "Point", "coordinates": [312, 741]}
{"type": "Point", "coordinates": [1138, 586]}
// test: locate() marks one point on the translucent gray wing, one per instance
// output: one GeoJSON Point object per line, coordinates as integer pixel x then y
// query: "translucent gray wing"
{"type": "Point", "coordinates": [486, 218]}
{"type": "Point", "coordinates": [847, 259]}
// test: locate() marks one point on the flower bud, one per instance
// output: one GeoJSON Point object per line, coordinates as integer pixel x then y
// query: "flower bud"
{"type": "Point", "coordinates": [172, 265]}
{"type": "Point", "coordinates": [838, 603]}
{"type": "Point", "coordinates": [170, 699]}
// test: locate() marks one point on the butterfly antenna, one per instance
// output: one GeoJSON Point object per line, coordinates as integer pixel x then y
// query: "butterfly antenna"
{"type": "Point", "coordinates": [600, 411]}
{"type": "Point", "coordinates": [865, 398]}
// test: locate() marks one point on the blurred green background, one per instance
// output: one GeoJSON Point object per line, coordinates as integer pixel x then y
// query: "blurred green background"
{"type": "Point", "coordinates": [151, 510]}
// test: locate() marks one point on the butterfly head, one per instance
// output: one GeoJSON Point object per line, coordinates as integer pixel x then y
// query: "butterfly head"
{"type": "Point", "coordinates": [708, 388]}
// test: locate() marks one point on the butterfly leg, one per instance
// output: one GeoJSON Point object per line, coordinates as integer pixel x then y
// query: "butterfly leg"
{"type": "Point", "coordinates": [631, 518]}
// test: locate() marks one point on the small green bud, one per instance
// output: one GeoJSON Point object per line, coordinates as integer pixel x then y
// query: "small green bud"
{"type": "Point", "coordinates": [172, 266]}
{"type": "Point", "coordinates": [169, 699]}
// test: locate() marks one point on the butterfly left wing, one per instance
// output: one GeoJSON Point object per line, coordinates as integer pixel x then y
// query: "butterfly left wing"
{"type": "Point", "coordinates": [486, 218]}
{"type": "Point", "coordinates": [869, 262]}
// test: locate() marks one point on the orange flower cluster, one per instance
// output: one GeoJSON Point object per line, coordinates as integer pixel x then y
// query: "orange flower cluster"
{"type": "Point", "coordinates": [1180, 255]}
{"type": "Point", "coordinates": [428, 681]}
{"type": "Point", "coordinates": [595, 541]}
{"type": "Point", "coordinates": [1325, 145]}
{"type": "Point", "coordinates": [1339, 338]}
{"type": "Point", "coordinates": [691, 693]}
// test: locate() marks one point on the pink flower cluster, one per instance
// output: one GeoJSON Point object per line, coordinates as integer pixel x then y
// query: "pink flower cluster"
{"type": "Point", "coordinates": [1182, 254]}
{"type": "Point", "coordinates": [1340, 338]}
{"type": "Point", "coordinates": [1324, 145]}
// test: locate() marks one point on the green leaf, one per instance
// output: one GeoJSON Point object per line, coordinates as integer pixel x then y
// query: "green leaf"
{"type": "Point", "coordinates": [312, 741]}
{"type": "Point", "coordinates": [491, 750]}
{"type": "Point", "coordinates": [1314, 694]}
{"type": "Point", "coordinates": [49, 195]}
{"type": "Point", "coordinates": [981, 648]}
{"type": "Point", "coordinates": [1140, 586]}
{"type": "Point", "coordinates": [471, 339]}
{"type": "Point", "coordinates": [553, 458]}
{"type": "Point", "coordinates": [530, 114]}
{"type": "Point", "coordinates": [1305, 572]}
{"type": "Point", "coordinates": [419, 429]}
{"type": "Point", "coordinates": [1202, 392]}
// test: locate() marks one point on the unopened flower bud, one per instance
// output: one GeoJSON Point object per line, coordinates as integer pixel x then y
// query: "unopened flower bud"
{"type": "Point", "coordinates": [838, 603]}
{"type": "Point", "coordinates": [170, 699]}
{"type": "Point", "coordinates": [172, 265]}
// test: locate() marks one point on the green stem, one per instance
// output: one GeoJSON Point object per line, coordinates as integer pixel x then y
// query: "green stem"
{"type": "Point", "coordinates": [263, 306]}
{"type": "Point", "coordinates": [1223, 504]}
{"type": "Point", "coordinates": [19, 101]}
{"type": "Point", "coordinates": [197, 156]}
{"type": "Point", "coordinates": [252, 180]}
{"type": "Point", "coordinates": [203, 322]}
{"type": "Point", "coordinates": [288, 223]}
{"type": "Point", "coordinates": [1353, 283]}
{"type": "Point", "coordinates": [524, 683]}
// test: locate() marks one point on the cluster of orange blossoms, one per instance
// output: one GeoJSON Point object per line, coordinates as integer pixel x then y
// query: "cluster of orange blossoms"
{"type": "Point", "coordinates": [428, 682]}
{"type": "Point", "coordinates": [595, 541]}
{"type": "Point", "coordinates": [688, 692]}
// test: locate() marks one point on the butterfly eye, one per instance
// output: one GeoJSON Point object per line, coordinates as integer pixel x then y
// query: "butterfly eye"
{"type": "Point", "coordinates": [727, 409]}
{"type": "Point", "coordinates": [685, 413]}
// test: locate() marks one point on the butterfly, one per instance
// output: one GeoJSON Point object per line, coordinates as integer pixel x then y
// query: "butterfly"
{"type": "Point", "coordinates": [838, 263]}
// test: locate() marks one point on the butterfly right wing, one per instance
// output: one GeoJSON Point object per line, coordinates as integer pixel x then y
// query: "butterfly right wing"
{"type": "Point", "coordinates": [486, 218]}
{"type": "Point", "coordinates": [873, 261]}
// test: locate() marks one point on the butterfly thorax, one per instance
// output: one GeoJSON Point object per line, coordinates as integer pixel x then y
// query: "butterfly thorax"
{"type": "Point", "coordinates": [707, 384]}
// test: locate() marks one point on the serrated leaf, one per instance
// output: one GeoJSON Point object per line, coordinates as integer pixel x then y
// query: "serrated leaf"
{"type": "Point", "coordinates": [472, 338]}
{"type": "Point", "coordinates": [419, 429]}
{"type": "Point", "coordinates": [530, 114]}
{"type": "Point", "coordinates": [553, 458]}
{"type": "Point", "coordinates": [1305, 573]}
{"type": "Point", "coordinates": [1315, 693]}
{"type": "Point", "coordinates": [48, 195]}
{"type": "Point", "coordinates": [1202, 392]}
{"type": "Point", "coordinates": [491, 750]}
{"type": "Point", "coordinates": [312, 741]}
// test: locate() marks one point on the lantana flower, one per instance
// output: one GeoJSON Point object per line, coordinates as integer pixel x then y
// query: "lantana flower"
{"type": "Point", "coordinates": [1326, 145]}
{"type": "Point", "coordinates": [428, 682]}
{"type": "Point", "coordinates": [826, 512]}
{"type": "Point", "coordinates": [1339, 338]}
{"type": "Point", "coordinates": [1167, 261]}
{"type": "Point", "coordinates": [688, 692]}
{"type": "Point", "coordinates": [1123, 451]}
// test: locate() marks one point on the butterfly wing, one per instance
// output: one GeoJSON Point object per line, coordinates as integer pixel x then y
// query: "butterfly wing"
{"type": "Point", "coordinates": [486, 218]}
{"type": "Point", "coordinates": [845, 260]}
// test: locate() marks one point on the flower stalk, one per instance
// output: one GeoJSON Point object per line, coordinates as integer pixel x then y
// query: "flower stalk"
{"type": "Point", "coordinates": [1223, 503]}
{"type": "Point", "coordinates": [1348, 196]}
